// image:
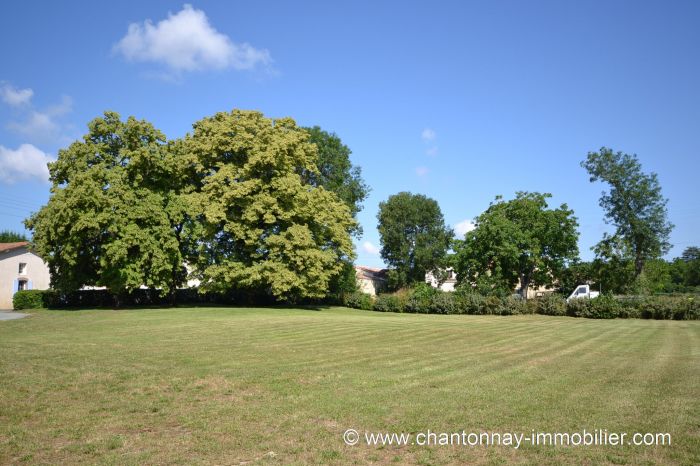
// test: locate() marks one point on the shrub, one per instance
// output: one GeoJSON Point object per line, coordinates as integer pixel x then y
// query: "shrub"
{"type": "Point", "coordinates": [492, 305]}
{"type": "Point", "coordinates": [467, 302]}
{"type": "Point", "coordinates": [387, 303]}
{"type": "Point", "coordinates": [358, 300]}
{"type": "Point", "coordinates": [32, 299]}
{"type": "Point", "coordinates": [550, 305]}
{"type": "Point", "coordinates": [630, 308]}
{"type": "Point", "coordinates": [669, 307]}
{"type": "Point", "coordinates": [420, 298]}
{"type": "Point", "coordinates": [442, 303]}
{"type": "Point", "coordinates": [603, 307]}
{"type": "Point", "coordinates": [513, 305]}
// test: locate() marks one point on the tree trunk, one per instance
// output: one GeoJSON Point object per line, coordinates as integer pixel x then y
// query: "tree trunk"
{"type": "Point", "coordinates": [638, 265]}
{"type": "Point", "coordinates": [524, 285]}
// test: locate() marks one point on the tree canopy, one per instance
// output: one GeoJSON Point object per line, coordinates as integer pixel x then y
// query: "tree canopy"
{"type": "Point", "coordinates": [634, 204]}
{"type": "Point", "coordinates": [518, 241]}
{"type": "Point", "coordinates": [108, 221]}
{"type": "Point", "coordinates": [232, 201]}
{"type": "Point", "coordinates": [413, 236]}
{"type": "Point", "coordinates": [263, 225]}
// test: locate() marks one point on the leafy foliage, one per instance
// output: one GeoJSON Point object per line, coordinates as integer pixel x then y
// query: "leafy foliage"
{"type": "Point", "coordinates": [263, 227]}
{"type": "Point", "coordinates": [30, 299]}
{"type": "Point", "coordinates": [634, 205]}
{"type": "Point", "coordinates": [8, 236]}
{"type": "Point", "coordinates": [387, 303]}
{"type": "Point", "coordinates": [613, 266]}
{"type": "Point", "coordinates": [518, 241]}
{"type": "Point", "coordinates": [335, 171]}
{"type": "Point", "coordinates": [110, 219]}
{"type": "Point", "coordinates": [574, 274]}
{"type": "Point", "coordinates": [691, 270]}
{"type": "Point", "coordinates": [413, 236]}
{"type": "Point", "coordinates": [550, 305]}
{"type": "Point", "coordinates": [358, 300]}
{"type": "Point", "coordinates": [427, 300]}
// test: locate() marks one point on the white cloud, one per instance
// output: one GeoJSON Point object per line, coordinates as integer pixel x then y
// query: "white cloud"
{"type": "Point", "coordinates": [370, 248]}
{"type": "Point", "coordinates": [15, 97]}
{"type": "Point", "coordinates": [433, 151]}
{"type": "Point", "coordinates": [185, 41]}
{"type": "Point", "coordinates": [25, 163]}
{"type": "Point", "coordinates": [463, 227]}
{"type": "Point", "coordinates": [428, 135]}
{"type": "Point", "coordinates": [422, 171]}
{"type": "Point", "coordinates": [44, 126]}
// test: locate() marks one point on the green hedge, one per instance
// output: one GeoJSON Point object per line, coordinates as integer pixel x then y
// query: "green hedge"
{"type": "Point", "coordinates": [32, 299]}
{"type": "Point", "coordinates": [36, 299]}
{"type": "Point", "coordinates": [358, 300]}
{"type": "Point", "coordinates": [424, 299]}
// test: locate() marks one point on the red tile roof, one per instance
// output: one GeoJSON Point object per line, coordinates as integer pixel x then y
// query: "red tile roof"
{"type": "Point", "coordinates": [10, 246]}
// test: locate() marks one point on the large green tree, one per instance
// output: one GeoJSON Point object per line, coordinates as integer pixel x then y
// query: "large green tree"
{"type": "Point", "coordinates": [112, 218]}
{"type": "Point", "coordinates": [413, 236]}
{"type": "Point", "coordinates": [634, 204]}
{"type": "Point", "coordinates": [264, 227]}
{"type": "Point", "coordinates": [518, 241]}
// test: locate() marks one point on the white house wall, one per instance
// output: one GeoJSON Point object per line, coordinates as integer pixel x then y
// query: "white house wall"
{"type": "Point", "coordinates": [36, 273]}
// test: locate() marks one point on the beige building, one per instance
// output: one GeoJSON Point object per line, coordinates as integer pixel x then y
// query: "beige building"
{"type": "Point", "coordinates": [20, 269]}
{"type": "Point", "coordinates": [533, 292]}
{"type": "Point", "coordinates": [449, 281]}
{"type": "Point", "coordinates": [370, 280]}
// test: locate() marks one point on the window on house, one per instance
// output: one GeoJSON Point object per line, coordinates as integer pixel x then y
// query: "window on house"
{"type": "Point", "coordinates": [22, 268]}
{"type": "Point", "coordinates": [22, 285]}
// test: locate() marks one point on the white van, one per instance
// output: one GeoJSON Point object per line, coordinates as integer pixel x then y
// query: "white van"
{"type": "Point", "coordinates": [583, 291]}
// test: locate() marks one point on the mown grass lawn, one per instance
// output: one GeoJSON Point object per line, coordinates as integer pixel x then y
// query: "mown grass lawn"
{"type": "Point", "coordinates": [280, 386]}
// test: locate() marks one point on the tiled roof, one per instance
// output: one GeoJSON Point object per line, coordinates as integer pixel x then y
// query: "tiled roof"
{"type": "Point", "coordinates": [370, 273]}
{"type": "Point", "coordinates": [10, 246]}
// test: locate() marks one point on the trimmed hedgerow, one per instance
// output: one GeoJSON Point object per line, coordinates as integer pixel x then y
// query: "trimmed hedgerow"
{"type": "Point", "coordinates": [358, 300]}
{"type": "Point", "coordinates": [32, 299]}
{"type": "Point", "coordinates": [550, 305]}
{"type": "Point", "coordinates": [387, 303]}
{"type": "Point", "coordinates": [442, 303]}
{"type": "Point", "coordinates": [424, 299]}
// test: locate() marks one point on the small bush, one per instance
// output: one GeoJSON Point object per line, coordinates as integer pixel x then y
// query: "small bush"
{"type": "Point", "coordinates": [358, 300]}
{"type": "Point", "coordinates": [492, 305]}
{"type": "Point", "coordinates": [512, 306]}
{"type": "Point", "coordinates": [550, 305]}
{"type": "Point", "coordinates": [669, 307]}
{"type": "Point", "coordinates": [442, 303]}
{"type": "Point", "coordinates": [32, 299]}
{"type": "Point", "coordinates": [603, 307]}
{"type": "Point", "coordinates": [469, 303]}
{"type": "Point", "coordinates": [420, 298]}
{"type": "Point", "coordinates": [387, 303]}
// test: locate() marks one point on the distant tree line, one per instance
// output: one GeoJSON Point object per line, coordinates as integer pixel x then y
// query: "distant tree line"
{"type": "Point", "coordinates": [8, 236]}
{"type": "Point", "coordinates": [522, 242]}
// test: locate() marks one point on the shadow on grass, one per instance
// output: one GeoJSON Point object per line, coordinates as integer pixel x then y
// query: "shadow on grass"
{"type": "Point", "coordinates": [299, 307]}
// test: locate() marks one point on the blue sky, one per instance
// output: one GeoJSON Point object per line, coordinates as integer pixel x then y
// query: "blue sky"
{"type": "Point", "coordinates": [460, 101]}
